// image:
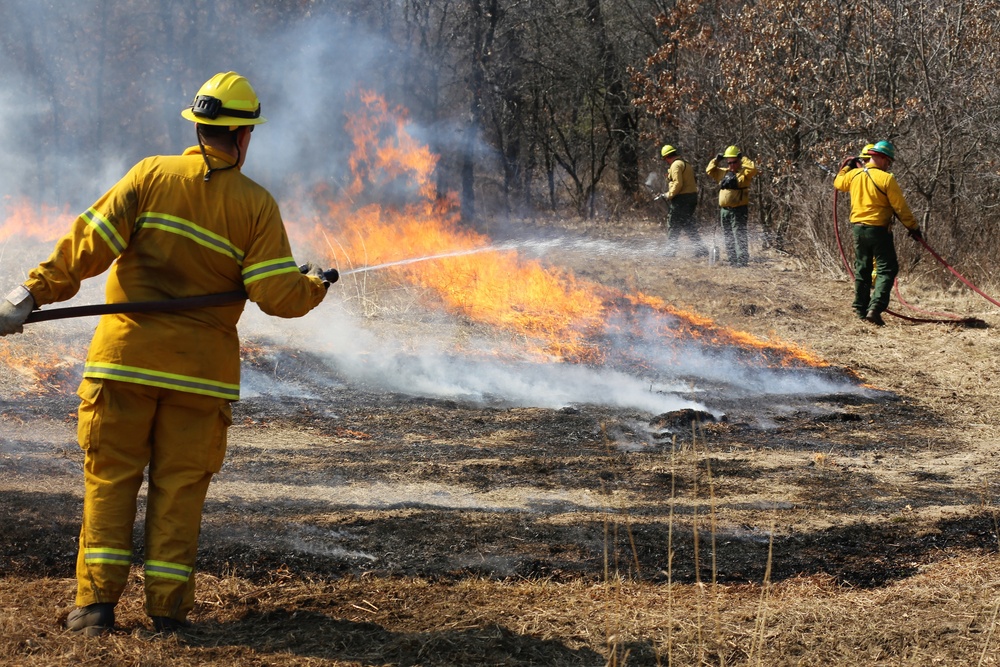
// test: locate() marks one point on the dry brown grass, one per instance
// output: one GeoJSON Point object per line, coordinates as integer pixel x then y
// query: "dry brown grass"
{"type": "Point", "coordinates": [943, 615]}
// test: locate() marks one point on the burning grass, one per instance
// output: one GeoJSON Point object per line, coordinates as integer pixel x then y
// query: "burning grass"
{"type": "Point", "coordinates": [22, 220]}
{"type": "Point", "coordinates": [43, 370]}
{"type": "Point", "coordinates": [559, 316]}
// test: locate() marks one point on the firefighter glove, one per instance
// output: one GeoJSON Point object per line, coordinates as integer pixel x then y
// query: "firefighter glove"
{"type": "Point", "coordinates": [851, 162]}
{"type": "Point", "coordinates": [311, 269]}
{"type": "Point", "coordinates": [14, 310]}
{"type": "Point", "coordinates": [718, 157]}
{"type": "Point", "coordinates": [916, 234]}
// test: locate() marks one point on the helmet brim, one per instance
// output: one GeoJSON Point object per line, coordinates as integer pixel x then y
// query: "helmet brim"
{"type": "Point", "coordinates": [227, 121]}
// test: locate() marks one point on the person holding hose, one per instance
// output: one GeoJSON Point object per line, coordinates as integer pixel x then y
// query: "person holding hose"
{"type": "Point", "coordinates": [682, 196]}
{"type": "Point", "coordinates": [157, 386]}
{"type": "Point", "coordinates": [733, 171]}
{"type": "Point", "coordinates": [876, 199]}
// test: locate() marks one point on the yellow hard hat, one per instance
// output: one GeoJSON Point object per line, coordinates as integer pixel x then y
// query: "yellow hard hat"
{"type": "Point", "coordinates": [732, 151]}
{"type": "Point", "coordinates": [667, 150]}
{"type": "Point", "coordinates": [864, 151]}
{"type": "Point", "coordinates": [225, 99]}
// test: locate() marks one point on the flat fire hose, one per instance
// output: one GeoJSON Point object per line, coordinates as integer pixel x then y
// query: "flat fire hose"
{"type": "Point", "coordinates": [186, 303]}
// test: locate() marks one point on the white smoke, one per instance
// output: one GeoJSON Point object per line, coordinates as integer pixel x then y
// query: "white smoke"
{"type": "Point", "coordinates": [432, 367]}
{"type": "Point", "coordinates": [436, 357]}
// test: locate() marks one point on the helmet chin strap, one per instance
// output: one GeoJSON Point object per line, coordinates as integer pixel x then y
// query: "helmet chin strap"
{"type": "Point", "coordinates": [208, 164]}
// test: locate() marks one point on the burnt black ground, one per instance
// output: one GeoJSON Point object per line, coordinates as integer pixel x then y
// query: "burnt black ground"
{"type": "Point", "coordinates": [352, 480]}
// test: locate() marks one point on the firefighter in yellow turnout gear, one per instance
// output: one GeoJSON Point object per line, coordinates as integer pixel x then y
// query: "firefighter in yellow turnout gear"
{"type": "Point", "coordinates": [157, 386]}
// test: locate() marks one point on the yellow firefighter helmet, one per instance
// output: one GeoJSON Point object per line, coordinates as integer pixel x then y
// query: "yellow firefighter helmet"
{"type": "Point", "coordinates": [225, 99]}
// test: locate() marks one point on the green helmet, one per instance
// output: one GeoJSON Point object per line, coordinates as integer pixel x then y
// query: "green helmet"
{"type": "Point", "coordinates": [667, 150]}
{"type": "Point", "coordinates": [884, 148]}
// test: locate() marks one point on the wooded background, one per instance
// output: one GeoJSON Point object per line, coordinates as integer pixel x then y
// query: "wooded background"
{"type": "Point", "coordinates": [537, 107]}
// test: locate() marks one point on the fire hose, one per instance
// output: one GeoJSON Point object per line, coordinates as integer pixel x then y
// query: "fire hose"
{"type": "Point", "coordinates": [165, 305]}
{"type": "Point", "coordinates": [940, 318]}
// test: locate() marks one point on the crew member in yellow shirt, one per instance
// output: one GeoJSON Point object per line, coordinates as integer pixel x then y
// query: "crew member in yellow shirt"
{"type": "Point", "coordinates": [876, 199]}
{"type": "Point", "coordinates": [682, 196]}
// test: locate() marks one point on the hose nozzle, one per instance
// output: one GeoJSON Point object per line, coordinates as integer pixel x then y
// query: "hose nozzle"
{"type": "Point", "coordinates": [328, 276]}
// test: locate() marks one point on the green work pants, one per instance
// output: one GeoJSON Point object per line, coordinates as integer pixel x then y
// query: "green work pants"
{"type": "Point", "coordinates": [734, 229]}
{"type": "Point", "coordinates": [873, 247]}
{"type": "Point", "coordinates": [681, 221]}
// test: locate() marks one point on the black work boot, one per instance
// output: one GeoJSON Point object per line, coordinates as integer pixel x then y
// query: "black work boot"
{"type": "Point", "coordinates": [93, 620]}
{"type": "Point", "coordinates": [168, 626]}
{"type": "Point", "coordinates": [875, 318]}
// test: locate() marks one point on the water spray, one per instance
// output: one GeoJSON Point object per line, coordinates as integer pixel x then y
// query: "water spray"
{"type": "Point", "coordinates": [414, 260]}
{"type": "Point", "coordinates": [220, 299]}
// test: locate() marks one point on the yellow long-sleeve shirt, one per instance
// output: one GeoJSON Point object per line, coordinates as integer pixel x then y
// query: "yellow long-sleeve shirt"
{"type": "Point", "coordinates": [740, 195]}
{"type": "Point", "coordinates": [875, 197]}
{"type": "Point", "coordinates": [166, 233]}
{"type": "Point", "coordinates": [680, 179]}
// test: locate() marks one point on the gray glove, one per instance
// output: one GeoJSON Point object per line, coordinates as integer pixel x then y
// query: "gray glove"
{"type": "Point", "coordinates": [311, 269]}
{"type": "Point", "coordinates": [14, 310]}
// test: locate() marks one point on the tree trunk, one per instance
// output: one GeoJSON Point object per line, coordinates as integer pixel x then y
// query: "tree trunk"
{"type": "Point", "coordinates": [482, 25]}
{"type": "Point", "coordinates": [624, 126]}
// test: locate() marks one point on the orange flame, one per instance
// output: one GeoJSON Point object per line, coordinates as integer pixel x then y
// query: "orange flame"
{"type": "Point", "coordinates": [36, 222]}
{"type": "Point", "coordinates": [562, 317]}
{"type": "Point", "coordinates": [52, 372]}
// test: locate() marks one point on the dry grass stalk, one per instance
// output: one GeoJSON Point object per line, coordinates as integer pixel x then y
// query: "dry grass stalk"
{"type": "Point", "coordinates": [760, 621]}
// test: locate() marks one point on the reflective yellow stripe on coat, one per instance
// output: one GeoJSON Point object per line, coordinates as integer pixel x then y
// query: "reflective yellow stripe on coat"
{"type": "Point", "coordinates": [160, 379]}
{"type": "Point", "coordinates": [186, 228]}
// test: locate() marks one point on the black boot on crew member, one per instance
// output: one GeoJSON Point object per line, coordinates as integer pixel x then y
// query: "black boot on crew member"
{"type": "Point", "coordinates": [875, 318]}
{"type": "Point", "coordinates": [93, 620]}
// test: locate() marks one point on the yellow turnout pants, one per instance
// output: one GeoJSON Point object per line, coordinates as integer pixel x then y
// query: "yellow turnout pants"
{"type": "Point", "coordinates": [123, 428]}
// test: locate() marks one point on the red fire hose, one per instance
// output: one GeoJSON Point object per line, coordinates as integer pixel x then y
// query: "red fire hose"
{"type": "Point", "coordinates": [941, 318]}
